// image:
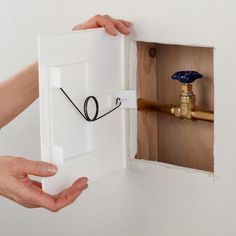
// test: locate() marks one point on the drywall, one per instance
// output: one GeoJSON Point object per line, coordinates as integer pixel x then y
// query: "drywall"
{"type": "Point", "coordinates": [148, 200]}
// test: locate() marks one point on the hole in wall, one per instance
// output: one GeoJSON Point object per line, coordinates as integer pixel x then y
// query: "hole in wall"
{"type": "Point", "coordinates": [163, 137]}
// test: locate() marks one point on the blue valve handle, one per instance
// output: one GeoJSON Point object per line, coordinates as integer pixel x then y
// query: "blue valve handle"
{"type": "Point", "coordinates": [186, 77]}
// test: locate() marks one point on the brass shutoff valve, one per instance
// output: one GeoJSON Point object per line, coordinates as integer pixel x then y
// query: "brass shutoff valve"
{"type": "Point", "coordinates": [187, 98]}
{"type": "Point", "coordinates": [186, 108]}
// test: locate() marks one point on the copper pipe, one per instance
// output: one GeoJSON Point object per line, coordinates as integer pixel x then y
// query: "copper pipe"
{"type": "Point", "coordinates": [153, 106]}
{"type": "Point", "coordinates": [203, 115]}
{"type": "Point", "coordinates": [147, 105]}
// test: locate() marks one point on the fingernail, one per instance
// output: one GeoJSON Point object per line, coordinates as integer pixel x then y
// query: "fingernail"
{"type": "Point", "coordinates": [52, 169]}
{"type": "Point", "coordinates": [77, 27]}
{"type": "Point", "coordinates": [114, 31]}
{"type": "Point", "coordinates": [126, 30]}
{"type": "Point", "coordinates": [85, 186]}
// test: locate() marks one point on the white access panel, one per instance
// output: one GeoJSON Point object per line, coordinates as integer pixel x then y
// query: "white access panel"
{"type": "Point", "coordinates": [83, 63]}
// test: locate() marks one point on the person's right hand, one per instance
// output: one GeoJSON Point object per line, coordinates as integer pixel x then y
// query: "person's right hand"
{"type": "Point", "coordinates": [16, 185]}
{"type": "Point", "coordinates": [111, 25]}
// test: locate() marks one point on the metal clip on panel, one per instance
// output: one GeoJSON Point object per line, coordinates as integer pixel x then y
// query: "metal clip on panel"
{"type": "Point", "coordinates": [186, 108]}
{"type": "Point", "coordinates": [86, 114]}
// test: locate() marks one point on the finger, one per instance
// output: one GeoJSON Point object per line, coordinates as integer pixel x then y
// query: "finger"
{"type": "Point", "coordinates": [122, 28]}
{"type": "Point", "coordinates": [78, 27]}
{"type": "Point", "coordinates": [37, 168]}
{"type": "Point", "coordinates": [110, 27]}
{"type": "Point", "coordinates": [69, 195]}
{"type": "Point", "coordinates": [95, 22]}
{"type": "Point", "coordinates": [126, 23]}
{"type": "Point", "coordinates": [32, 196]}
{"type": "Point", "coordinates": [80, 182]}
{"type": "Point", "coordinates": [78, 186]}
{"type": "Point", "coordinates": [65, 198]}
{"type": "Point", "coordinates": [101, 21]}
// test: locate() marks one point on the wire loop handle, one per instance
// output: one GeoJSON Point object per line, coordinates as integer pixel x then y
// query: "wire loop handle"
{"type": "Point", "coordinates": [86, 114]}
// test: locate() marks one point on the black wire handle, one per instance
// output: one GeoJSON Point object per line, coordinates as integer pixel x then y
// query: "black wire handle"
{"type": "Point", "coordinates": [86, 115]}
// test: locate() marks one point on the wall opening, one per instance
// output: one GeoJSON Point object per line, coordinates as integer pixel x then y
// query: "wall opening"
{"type": "Point", "coordinates": [166, 138]}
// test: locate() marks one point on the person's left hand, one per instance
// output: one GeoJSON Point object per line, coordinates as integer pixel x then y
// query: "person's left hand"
{"type": "Point", "coordinates": [16, 185]}
{"type": "Point", "coordinates": [111, 25]}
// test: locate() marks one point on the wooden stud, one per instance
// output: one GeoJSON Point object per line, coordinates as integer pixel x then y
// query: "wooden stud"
{"type": "Point", "coordinates": [147, 88]}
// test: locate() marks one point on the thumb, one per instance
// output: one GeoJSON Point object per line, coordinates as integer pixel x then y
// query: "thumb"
{"type": "Point", "coordinates": [37, 168]}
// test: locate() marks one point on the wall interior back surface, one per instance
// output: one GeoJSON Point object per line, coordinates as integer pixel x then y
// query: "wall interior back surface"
{"type": "Point", "coordinates": [165, 138]}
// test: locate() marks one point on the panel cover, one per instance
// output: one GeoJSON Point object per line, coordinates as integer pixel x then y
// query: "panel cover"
{"type": "Point", "coordinates": [82, 63]}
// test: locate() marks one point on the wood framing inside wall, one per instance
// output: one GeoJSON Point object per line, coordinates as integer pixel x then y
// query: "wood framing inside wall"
{"type": "Point", "coordinates": [147, 88]}
{"type": "Point", "coordinates": [165, 138]}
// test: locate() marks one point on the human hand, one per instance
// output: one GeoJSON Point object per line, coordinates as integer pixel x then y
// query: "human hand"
{"type": "Point", "coordinates": [112, 25]}
{"type": "Point", "coordinates": [16, 185]}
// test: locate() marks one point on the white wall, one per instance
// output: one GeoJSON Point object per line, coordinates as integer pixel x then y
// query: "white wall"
{"type": "Point", "coordinates": [183, 203]}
